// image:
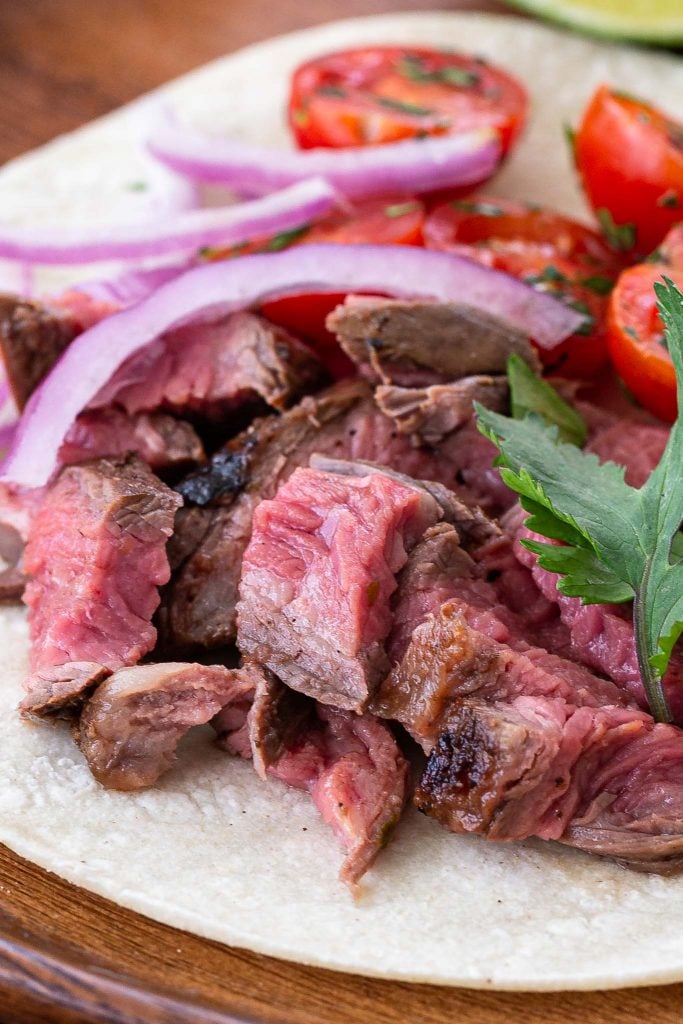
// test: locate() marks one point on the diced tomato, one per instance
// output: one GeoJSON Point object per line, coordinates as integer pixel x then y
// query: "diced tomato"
{"type": "Point", "coordinates": [391, 221]}
{"type": "Point", "coordinates": [304, 316]}
{"type": "Point", "coordinates": [636, 333]}
{"type": "Point", "coordinates": [549, 251]}
{"type": "Point", "coordinates": [386, 93]}
{"type": "Point", "coordinates": [630, 157]}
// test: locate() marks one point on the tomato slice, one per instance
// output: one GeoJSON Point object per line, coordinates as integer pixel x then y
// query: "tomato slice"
{"type": "Point", "coordinates": [549, 251]}
{"type": "Point", "coordinates": [636, 332]}
{"type": "Point", "coordinates": [391, 221]}
{"type": "Point", "coordinates": [630, 157]}
{"type": "Point", "coordinates": [304, 316]}
{"type": "Point", "coordinates": [385, 93]}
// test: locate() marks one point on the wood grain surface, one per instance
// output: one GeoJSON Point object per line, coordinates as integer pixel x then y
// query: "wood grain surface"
{"type": "Point", "coordinates": [66, 956]}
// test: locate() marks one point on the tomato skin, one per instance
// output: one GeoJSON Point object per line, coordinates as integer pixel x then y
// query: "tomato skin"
{"type": "Point", "coordinates": [374, 95]}
{"type": "Point", "coordinates": [630, 158]}
{"type": "Point", "coordinates": [636, 331]}
{"type": "Point", "coordinates": [304, 316]}
{"type": "Point", "coordinates": [552, 252]}
{"type": "Point", "coordinates": [394, 220]}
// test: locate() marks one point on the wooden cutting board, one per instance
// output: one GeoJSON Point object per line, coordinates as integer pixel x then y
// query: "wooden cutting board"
{"type": "Point", "coordinates": [69, 957]}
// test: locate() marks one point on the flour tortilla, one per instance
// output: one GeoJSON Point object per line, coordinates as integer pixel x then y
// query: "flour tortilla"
{"type": "Point", "coordinates": [212, 849]}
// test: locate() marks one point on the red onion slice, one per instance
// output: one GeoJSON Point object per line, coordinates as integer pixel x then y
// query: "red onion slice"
{"type": "Point", "coordinates": [217, 289]}
{"type": "Point", "coordinates": [414, 165]}
{"type": "Point", "coordinates": [289, 208]}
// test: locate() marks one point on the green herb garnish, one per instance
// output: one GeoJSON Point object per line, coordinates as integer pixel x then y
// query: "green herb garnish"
{"type": "Point", "coordinates": [598, 284]}
{"type": "Point", "coordinates": [570, 136]}
{"type": "Point", "coordinates": [403, 108]}
{"type": "Point", "coordinates": [620, 543]}
{"type": "Point", "coordinates": [479, 208]}
{"type": "Point", "coordinates": [621, 237]}
{"type": "Point", "coordinates": [137, 186]}
{"type": "Point", "coordinates": [549, 275]}
{"type": "Point", "coordinates": [413, 67]}
{"type": "Point", "coordinates": [532, 394]}
{"type": "Point", "coordinates": [332, 90]}
{"type": "Point", "coordinates": [401, 209]}
{"type": "Point", "coordinates": [284, 239]}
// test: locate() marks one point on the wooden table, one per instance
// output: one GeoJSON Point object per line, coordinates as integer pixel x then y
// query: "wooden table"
{"type": "Point", "coordinates": [63, 62]}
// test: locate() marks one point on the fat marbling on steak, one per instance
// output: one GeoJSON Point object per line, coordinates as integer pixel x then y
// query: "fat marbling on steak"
{"type": "Point", "coordinates": [318, 574]}
{"type": "Point", "coordinates": [96, 556]}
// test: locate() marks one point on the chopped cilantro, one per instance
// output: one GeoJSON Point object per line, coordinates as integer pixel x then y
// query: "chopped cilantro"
{"type": "Point", "coordinates": [621, 237]}
{"type": "Point", "coordinates": [412, 66]}
{"type": "Point", "coordinates": [285, 238]}
{"type": "Point", "coordinates": [137, 186]}
{"type": "Point", "coordinates": [332, 90]}
{"type": "Point", "coordinates": [401, 209]}
{"type": "Point", "coordinates": [403, 108]}
{"type": "Point", "coordinates": [570, 136]}
{"type": "Point", "coordinates": [481, 209]}
{"type": "Point", "coordinates": [598, 284]}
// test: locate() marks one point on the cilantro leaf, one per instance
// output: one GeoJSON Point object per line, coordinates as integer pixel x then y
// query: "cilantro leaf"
{"type": "Point", "coordinates": [529, 393]}
{"type": "Point", "coordinates": [619, 542]}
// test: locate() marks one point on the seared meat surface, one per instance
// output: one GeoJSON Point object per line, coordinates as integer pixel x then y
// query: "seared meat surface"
{"type": "Point", "coordinates": [431, 414]}
{"type": "Point", "coordinates": [161, 441]}
{"type": "Point", "coordinates": [32, 338]}
{"type": "Point", "coordinates": [130, 728]}
{"type": "Point", "coordinates": [415, 343]}
{"type": "Point", "coordinates": [96, 556]}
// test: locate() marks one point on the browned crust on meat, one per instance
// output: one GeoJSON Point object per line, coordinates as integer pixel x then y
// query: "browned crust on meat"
{"type": "Point", "coordinates": [32, 338]}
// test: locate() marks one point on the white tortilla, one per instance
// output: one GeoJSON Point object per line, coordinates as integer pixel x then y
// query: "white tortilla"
{"type": "Point", "coordinates": [212, 849]}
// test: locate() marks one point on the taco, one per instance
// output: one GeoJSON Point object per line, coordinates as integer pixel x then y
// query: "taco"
{"type": "Point", "coordinates": [211, 847]}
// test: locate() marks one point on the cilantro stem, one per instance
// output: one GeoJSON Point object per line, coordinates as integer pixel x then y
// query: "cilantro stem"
{"type": "Point", "coordinates": [652, 681]}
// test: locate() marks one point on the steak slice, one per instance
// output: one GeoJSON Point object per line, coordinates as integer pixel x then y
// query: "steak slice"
{"type": "Point", "coordinates": [317, 577]}
{"type": "Point", "coordinates": [350, 764]}
{"type": "Point", "coordinates": [161, 441]}
{"type": "Point", "coordinates": [32, 338]}
{"type": "Point", "coordinates": [607, 780]}
{"type": "Point", "coordinates": [59, 692]}
{"type": "Point", "coordinates": [460, 653]}
{"type": "Point", "coordinates": [637, 447]}
{"type": "Point", "coordinates": [130, 728]}
{"type": "Point", "coordinates": [212, 369]}
{"type": "Point", "coordinates": [415, 343]}
{"type": "Point", "coordinates": [431, 413]}
{"type": "Point", "coordinates": [214, 528]}
{"type": "Point", "coordinates": [96, 555]}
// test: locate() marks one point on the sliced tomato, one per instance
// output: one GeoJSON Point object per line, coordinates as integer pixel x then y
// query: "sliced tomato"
{"type": "Point", "coordinates": [630, 157]}
{"type": "Point", "coordinates": [549, 251]}
{"type": "Point", "coordinates": [387, 93]}
{"type": "Point", "coordinates": [636, 332]}
{"type": "Point", "coordinates": [304, 316]}
{"type": "Point", "coordinates": [392, 221]}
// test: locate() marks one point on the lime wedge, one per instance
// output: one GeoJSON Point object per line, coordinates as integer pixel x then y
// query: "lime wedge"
{"type": "Point", "coordinates": [648, 21]}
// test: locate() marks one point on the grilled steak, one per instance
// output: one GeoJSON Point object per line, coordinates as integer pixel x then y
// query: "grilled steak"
{"type": "Point", "coordinates": [604, 779]}
{"type": "Point", "coordinates": [350, 764]}
{"type": "Point", "coordinates": [465, 650]}
{"type": "Point", "coordinates": [430, 414]}
{"type": "Point", "coordinates": [343, 422]}
{"type": "Point", "coordinates": [130, 728]}
{"type": "Point", "coordinates": [161, 441]}
{"type": "Point", "coordinates": [211, 369]}
{"type": "Point", "coordinates": [32, 338]}
{"type": "Point", "coordinates": [317, 577]}
{"type": "Point", "coordinates": [636, 446]}
{"type": "Point", "coordinates": [96, 557]}
{"type": "Point", "coordinates": [418, 343]}
{"type": "Point", "coordinates": [275, 719]}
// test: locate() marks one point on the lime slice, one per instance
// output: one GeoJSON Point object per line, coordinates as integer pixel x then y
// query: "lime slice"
{"type": "Point", "coordinates": [651, 21]}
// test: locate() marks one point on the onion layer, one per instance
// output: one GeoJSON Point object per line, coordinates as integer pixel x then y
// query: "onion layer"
{"type": "Point", "coordinates": [217, 289]}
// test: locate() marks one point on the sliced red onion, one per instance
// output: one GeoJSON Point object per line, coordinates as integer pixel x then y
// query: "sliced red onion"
{"type": "Point", "coordinates": [414, 165]}
{"type": "Point", "coordinates": [292, 207]}
{"type": "Point", "coordinates": [218, 289]}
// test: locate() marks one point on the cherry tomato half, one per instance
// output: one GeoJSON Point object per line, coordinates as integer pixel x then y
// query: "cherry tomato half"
{"type": "Point", "coordinates": [630, 157]}
{"type": "Point", "coordinates": [386, 93]}
{"type": "Point", "coordinates": [543, 248]}
{"type": "Point", "coordinates": [636, 333]}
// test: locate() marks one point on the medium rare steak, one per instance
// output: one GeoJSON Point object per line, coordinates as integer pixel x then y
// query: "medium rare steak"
{"type": "Point", "coordinates": [32, 338]}
{"type": "Point", "coordinates": [350, 764]}
{"type": "Point", "coordinates": [466, 651]}
{"type": "Point", "coordinates": [130, 728]}
{"type": "Point", "coordinates": [607, 780]}
{"type": "Point", "coordinates": [213, 529]}
{"type": "Point", "coordinates": [317, 577]}
{"type": "Point", "coordinates": [430, 414]}
{"type": "Point", "coordinates": [96, 556]}
{"type": "Point", "coordinates": [161, 441]}
{"type": "Point", "coordinates": [212, 369]}
{"type": "Point", "coordinates": [416, 343]}
{"type": "Point", "coordinates": [637, 447]}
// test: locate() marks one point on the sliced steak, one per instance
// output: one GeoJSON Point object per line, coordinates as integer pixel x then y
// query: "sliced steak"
{"type": "Point", "coordinates": [214, 528]}
{"type": "Point", "coordinates": [275, 719]}
{"type": "Point", "coordinates": [161, 441]}
{"type": "Point", "coordinates": [465, 651]}
{"type": "Point", "coordinates": [318, 575]}
{"type": "Point", "coordinates": [212, 369]}
{"type": "Point", "coordinates": [130, 728]}
{"type": "Point", "coordinates": [32, 338]}
{"type": "Point", "coordinates": [60, 692]}
{"type": "Point", "coordinates": [350, 764]}
{"type": "Point", "coordinates": [415, 343]}
{"type": "Point", "coordinates": [637, 447]}
{"type": "Point", "coordinates": [96, 556]}
{"type": "Point", "coordinates": [607, 780]}
{"type": "Point", "coordinates": [431, 414]}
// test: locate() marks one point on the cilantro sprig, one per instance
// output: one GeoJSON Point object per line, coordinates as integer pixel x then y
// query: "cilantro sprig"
{"type": "Point", "coordinates": [619, 543]}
